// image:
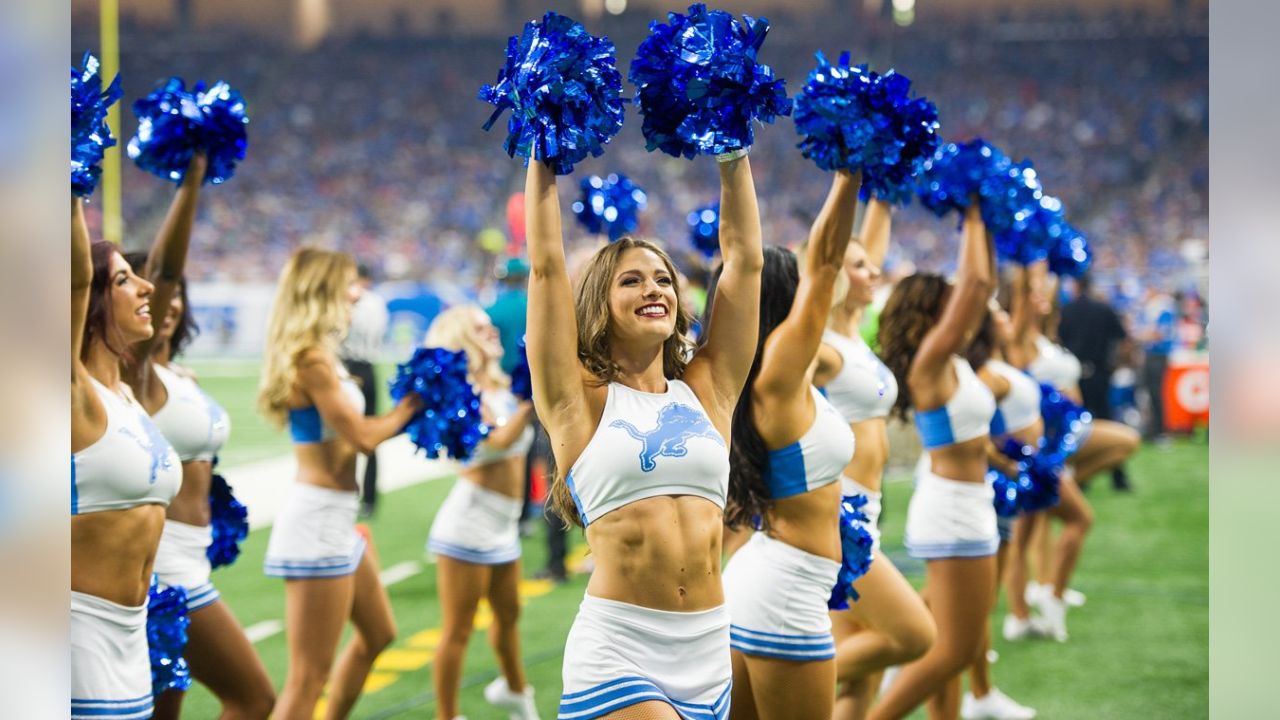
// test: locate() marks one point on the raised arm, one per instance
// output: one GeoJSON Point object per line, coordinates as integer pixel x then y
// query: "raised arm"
{"type": "Point", "coordinates": [318, 377]}
{"type": "Point", "coordinates": [167, 258]}
{"type": "Point", "coordinates": [81, 280]}
{"type": "Point", "coordinates": [552, 331]}
{"type": "Point", "coordinates": [875, 231]}
{"type": "Point", "coordinates": [792, 346]}
{"type": "Point", "coordinates": [735, 310]}
{"type": "Point", "coordinates": [962, 316]}
{"type": "Point", "coordinates": [503, 436]}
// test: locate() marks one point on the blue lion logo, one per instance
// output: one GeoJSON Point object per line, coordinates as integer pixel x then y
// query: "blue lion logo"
{"type": "Point", "coordinates": [677, 424]}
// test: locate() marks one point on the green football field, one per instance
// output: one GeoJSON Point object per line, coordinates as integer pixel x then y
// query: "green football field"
{"type": "Point", "coordinates": [1139, 648]}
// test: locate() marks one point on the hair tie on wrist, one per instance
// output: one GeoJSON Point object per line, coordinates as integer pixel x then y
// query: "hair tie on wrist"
{"type": "Point", "coordinates": [733, 155]}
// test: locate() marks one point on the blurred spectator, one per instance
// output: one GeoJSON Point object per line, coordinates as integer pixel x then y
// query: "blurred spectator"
{"type": "Point", "coordinates": [1156, 330]}
{"type": "Point", "coordinates": [360, 350]}
{"type": "Point", "coordinates": [1092, 331]}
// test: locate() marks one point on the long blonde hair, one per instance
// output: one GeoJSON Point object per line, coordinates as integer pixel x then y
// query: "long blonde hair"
{"type": "Point", "coordinates": [454, 329]}
{"type": "Point", "coordinates": [311, 309]}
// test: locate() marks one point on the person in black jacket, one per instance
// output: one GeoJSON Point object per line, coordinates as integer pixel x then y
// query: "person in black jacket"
{"type": "Point", "coordinates": [1091, 329]}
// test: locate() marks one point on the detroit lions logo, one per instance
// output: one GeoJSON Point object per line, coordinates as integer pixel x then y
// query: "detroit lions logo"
{"type": "Point", "coordinates": [677, 425]}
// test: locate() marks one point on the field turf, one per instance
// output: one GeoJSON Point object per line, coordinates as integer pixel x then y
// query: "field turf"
{"type": "Point", "coordinates": [1139, 648]}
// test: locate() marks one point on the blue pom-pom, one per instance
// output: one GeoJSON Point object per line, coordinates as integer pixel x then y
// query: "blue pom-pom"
{"type": "Point", "coordinates": [167, 637]}
{"type": "Point", "coordinates": [855, 119]}
{"type": "Point", "coordinates": [1066, 424]}
{"type": "Point", "coordinates": [174, 123]}
{"type": "Point", "coordinates": [958, 172]}
{"type": "Point", "coordinates": [564, 91]}
{"type": "Point", "coordinates": [704, 230]}
{"type": "Point", "coordinates": [1008, 193]}
{"type": "Point", "coordinates": [521, 381]}
{"type": "Point", "coordinates": [449, 421]}
{"type": "Point", "coordinates": [856, 551]}
{"type": "Point", "coordinates": [229, 521]}
{"type": "Point", "coordinates": [1032, 241]}
{"type": "Point", "coordinates": [1039, 474]}
{"type": "Point", "coordinates": [90, 135]}
{"type": "Point", "coordinates": [1070, 254]}
{"type": "Point", "coordinates": [1006, 492]}
{"type": "Point", "coordinates": [700, 85]}
{"type": "Point", "coordinates": [610, 205]}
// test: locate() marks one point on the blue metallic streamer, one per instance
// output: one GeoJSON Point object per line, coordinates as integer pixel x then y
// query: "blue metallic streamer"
{"type": "Point", "coordinates": [1066, 424]}
{"type": "Point", "coordinates": [853, 118]}
{"type": "Point", "coordinates": [699, 85]}
{"type": "Point", "coordinates": [856, 546]}
{"type": "Point", "coordinates": [167, 623]}
{"type": "Point", "coordinates": [564, 92]}
{"type": "Point", "coordinates": [229, 521]}
{"type": "Point", "coordinates": [90, 135]}
{"type": "Point", "coordinates": [449, 421]}
{"type": "Point", "coordinates": [1008, 193]}
{"type": "Point", "coordinates": [1070, 254]}
{"type": "Point", "coordinates": [610, 205]}
{"type": "Point", "coordinates": [1006, 492]}
{"type": "Point", "coordinates": [174, 123]}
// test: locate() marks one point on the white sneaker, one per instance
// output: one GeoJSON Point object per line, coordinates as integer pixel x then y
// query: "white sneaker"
{"type": "Point", "coordinates": [1053, 618]}
{"type": "Point", "coordinates": [1035, 593]}
{"type": "Point", "coordinates": [519, 705]}
{"type": "Point", "coordinates": [1073, 598]}
{"type": "Point", "coordinates": [995, 705]}
{"type": "Point", "coordinates": [1016, 629]}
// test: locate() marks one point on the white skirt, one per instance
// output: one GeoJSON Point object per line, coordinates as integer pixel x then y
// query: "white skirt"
{"type": "Point", "coordinates": [950, 519]}
{"type": "Point", "coordinates": [110, 665]}
{"type": "Point", "coordinates": [477, 525]}
{"type": "Point", "coordinates": [777, 600]}
{"type": "Point", "coordinates": [182, 561]}
{"type": "Point", "coordinates": [875, 503]}
{"type": "Point", "coordinates": [618, 654]}
{"type": "Point", "coordinates": [314, 536]}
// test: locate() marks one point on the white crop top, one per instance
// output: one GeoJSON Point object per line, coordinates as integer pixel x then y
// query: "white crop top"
{"type": "Point", "coordinates": [1019, 409]}
{"type": "Point", "coordinates": [502, 404]}
{"type": "Point", "coordinates": [191, 421]}
{"type": "Point", "coordinates": [130, 465]}
{"type": "Point", "coordinates": [1055, 365]}
{"type": "Point", "coordinates": [649, 444]}
{"type": "Point", "coordinates": [864, 388]}
{"type": "Point", "coordinates": [815, 460]}
{"type": "Point", "coordinates": [967, 415]}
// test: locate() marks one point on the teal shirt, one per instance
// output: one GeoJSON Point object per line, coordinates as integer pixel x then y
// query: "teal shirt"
{"type": "Point", "coordinates": [509, 314]}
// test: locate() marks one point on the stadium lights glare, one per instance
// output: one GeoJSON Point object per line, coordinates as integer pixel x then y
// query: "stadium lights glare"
{"type": "Point", "coordinates": [617, 7]}
{"type": "Point", "coordinates": [903, 6]}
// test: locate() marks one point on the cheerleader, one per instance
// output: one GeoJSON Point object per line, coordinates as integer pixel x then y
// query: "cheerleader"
{"type": "Point", "coordinates": [1017, 417]}
{"type": "Point", "coordinates": [951, 523]}
{"type": "Point", "coordinates": [123, 475]}
{"type": "Point", "coordinates": [1105, 445]}
{"type": "Point", "coordinates": [218, 653]}
{"type": "Point", "coordinates": [639, 426]}
{"type": "Point", "coordinates": [889, 624]}
{"type": "Point", "coordinates": [476, 534]}
{"type": "Point", "coordinates": [788, 447]}
{"type": "Point", "coordinates": [330, 571]}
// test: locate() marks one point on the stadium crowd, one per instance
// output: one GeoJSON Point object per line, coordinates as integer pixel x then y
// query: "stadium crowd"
{"type": "Point", "coordinates": [1121, 138]}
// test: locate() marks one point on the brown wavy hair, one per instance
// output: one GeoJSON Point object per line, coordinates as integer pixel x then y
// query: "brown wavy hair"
{"type": "Point", "coordinates": [913, 309]}
{"type": "Point", "coordinates": [591, 309]}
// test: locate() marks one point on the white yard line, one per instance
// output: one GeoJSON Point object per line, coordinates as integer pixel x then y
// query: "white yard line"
{"type": "Point", "coordinates": [399, 572]}
{"type": "Point", "coordinates": [263, 486]}
{"type": "Point", "coordinates": [258, 632]}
